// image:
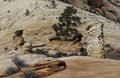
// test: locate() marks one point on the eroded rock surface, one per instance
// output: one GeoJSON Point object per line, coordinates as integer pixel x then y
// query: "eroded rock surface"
{"type": "Point", "coordinates": [41, 69]}
{"type": "Point", "coordinates": [95, 41]}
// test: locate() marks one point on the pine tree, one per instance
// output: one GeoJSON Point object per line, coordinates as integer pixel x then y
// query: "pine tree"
{"type": "Point", "coordinates": [68, 21]}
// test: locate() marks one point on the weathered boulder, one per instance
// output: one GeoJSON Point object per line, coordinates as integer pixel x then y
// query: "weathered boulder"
{"type": "Point", "coordinates": [95, 41]}
{"type": "Point", "coordinates": [41, 69]}
{"type": "Point", "coordinates": [104, 8]}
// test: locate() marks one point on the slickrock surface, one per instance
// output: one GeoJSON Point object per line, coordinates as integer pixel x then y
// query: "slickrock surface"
{"type": "Point", "coordinates": [36, 18]}
{"type": "Point", "coordinates": [86, 67]}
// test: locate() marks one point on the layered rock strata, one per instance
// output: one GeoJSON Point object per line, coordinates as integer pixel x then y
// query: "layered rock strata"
{"type": "Point", "coordinates": [95, 41]}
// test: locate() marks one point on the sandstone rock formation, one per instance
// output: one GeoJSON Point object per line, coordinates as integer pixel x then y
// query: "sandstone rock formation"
{"type": "Point", "coordinates": [104, 8]}
{"type": "Point", "coordinates": [95, 41]}
{"type": "Point", "coordinates": [18, 40]}
{"type": "Point", "coordinates": [41, 69]}
{"type": "Point", "coordinates": [38, 30]}
{"type": "Point", "coordinates": [108, 8]}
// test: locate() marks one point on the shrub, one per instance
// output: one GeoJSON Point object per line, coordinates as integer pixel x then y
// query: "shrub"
{"type": "Point", "coordinates": [83, 52]}
{"type": "Point", "coordinates": [40, 51]}
{"type": "Point", "coordinates": [27, 12]}
{"type": "Point", "coordinates": [111, 52]}
{"type": "Point", "coordinates": [73, 54]}
{"type": "Point", "coordinates": [18, 62]}
{"type": "Point", "coordinates": [29, 74]}
{"type": "Point", "coordinates": [10, 71]}
{"type": "Point", "coordinates": [59, 54]}
{"type": "Point", "coordinates": [65, 1]}
{"type": "Point", "coordinates": [19, 32]}
{"type": "Point", "coordinates": [6, 48]}
{"type": "Point", "coordinates": [53, 3]}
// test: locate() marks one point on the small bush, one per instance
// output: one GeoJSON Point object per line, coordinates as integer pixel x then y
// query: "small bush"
{"type": "Point", "coordinates": [6, 49]}
{"type": "Point", "coordinates": [59, 54]}
{"type": "Point", "coordinates": [18, 62]}
{"type": "Point", "coordinates": [27, 12]}
{"type": "Point", "coordinates": [40, 51]}
{"type": "Point", "coordinates": [53, 3]}
{"type": "Point", "coordinates": [29, 74]}
{"type": "Point", "coordinates": [112, 53]}
{"type": "Point", "coordinates": [10, 71]}
{"type": "Point", "coordinates": [6, 0]}
{"type": "Point", "coordinates": [66, 1]}
{"type": "Point", "coordinates": [19, 32]}
{"type": "Point", "coordinates": [73, 54]}
{"type": "Point", "coordinates": [83, 52]}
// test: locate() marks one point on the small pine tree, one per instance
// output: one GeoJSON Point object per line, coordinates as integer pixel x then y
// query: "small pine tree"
{"type": "Point", "coordinates": [68, 21]}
